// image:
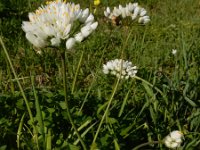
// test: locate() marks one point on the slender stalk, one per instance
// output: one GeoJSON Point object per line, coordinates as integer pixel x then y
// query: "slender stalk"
{"type": "Point", "coordinates": [63, 57]}
{"type": "Point", "coordinates": [86, 97]}
{"type": "Point", "coordinates": [76, 74]}
{"type": "Point", "coordinates": [39, 117]}
{"type": "Point", "coordinates": [35, 136]}
{"type": "Point", "coordinates": [19, 131]}
{"type": "Point", "coordinates": [49, 138]}
{"type": "Point", "coordinates": [85, 132]}
{"type": "Point", "coordinates": [145, 144]}
{"type": "Point", "coordinates": [105, 113]}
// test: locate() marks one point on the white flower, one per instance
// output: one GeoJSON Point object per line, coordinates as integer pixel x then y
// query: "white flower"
{"type": "Point", "coordinates": [132, 9]}
{"type": "Point", "coordinates": [84, 15]}
{"type": "Point", "coordinates": [70, 43]}
{"type": "Point", "coordinates": [142, 12]}
{"type": "Point", "coordinates": [116, 12]}
{"type": "Point", "coordinates": [133, 17]}
{"type": "Point", "coordinates": [144, 19]}
{"type": "Point", "coordinates": [123, 11]}
{"type": "Point", "coordinates": [107, 12]}
{"type": "Point", "coordinates": [120, 68]}
{"type": "Point", "coordinates": [89, 19]}
{"type": "Point", "coordinates": [94, 25]}
{"type": "Point", "coordinates": [174, 51]}
{"type": "Point", "coordinates": [136, 11]}
{"type": "Point", "coordinates": [174, 139]}
{"type": "Point", "coordinates": [55, 41]}
{"type": "Point", "coordinates": [79, 37]}
{"type": "Point", "coordinates": [35, 40]}
{"type": "Point", "coordinates": [105, 69]}
{"type": "Point", "coordinates": [87, 29]}
{"type": "Point", "coordinates": [52, 23]}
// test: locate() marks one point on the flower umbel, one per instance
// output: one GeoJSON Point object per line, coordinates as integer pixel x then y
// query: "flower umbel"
{"type": "Point", "coordinates": [120, 68]}
{"type": "Point", "coordinates": [174, 139]}
{"type": "Point", "coordinates": [52, 24]}
{"type": "Point", "coordinates": [132, 10]}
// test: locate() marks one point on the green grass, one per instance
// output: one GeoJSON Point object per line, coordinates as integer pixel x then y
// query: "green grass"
{"type": "Point", "coordinates": [141, 111]}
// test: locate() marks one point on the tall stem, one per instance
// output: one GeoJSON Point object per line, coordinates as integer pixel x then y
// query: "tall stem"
{"type": "Point", "coordinates": [145, 144]}
{"type": "Point", "coordinates": [104, 115]}
{"type": "Point", "coordinates": [76, 74]}
{"type": "Point", "coordinates": [35, 136]}
{"type": "Point", "coordinates": [63, 57]}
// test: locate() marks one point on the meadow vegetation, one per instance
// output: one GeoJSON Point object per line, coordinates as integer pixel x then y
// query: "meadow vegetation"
{"type": "Point", "coordinates": [163, 97]}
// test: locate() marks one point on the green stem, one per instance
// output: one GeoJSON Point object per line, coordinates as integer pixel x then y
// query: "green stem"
{"type": "Point", "coordinates": [39, 117]}
{"type": "Point", "coordinates": [145, 144]}
{"type": "Point", "coordinates": [105, 113]}
{"type": "Point", "coordinates": [19, 131]}
{"type": "Point", "coordinates": [35, 136]}
{"type": "Point", "coordinates": [76, 74]}
{"type": "Point", "coordinates": [66, 101]}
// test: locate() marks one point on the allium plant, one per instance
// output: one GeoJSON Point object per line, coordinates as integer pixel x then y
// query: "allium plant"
{"type": "Point", "coordinates": [132, 10]}
{"type": "Point", "coordinates": [120, 68]}
{"type": "Point", "coordinates": [58, 21]}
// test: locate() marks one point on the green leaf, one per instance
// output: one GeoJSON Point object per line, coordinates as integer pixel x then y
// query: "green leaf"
{"type": "Point", "coordinates": [51, 110]}
{"type": "Point", "coordinates": [123, 104]}
{"type": "Point", "coordinates": [71, 147]}
{"type": "Point", "coordinates": [148, 89]}
{"type": "Point", "coordinates": [20, 104]}
{"type": "Point", "coordinates": [126, 130]}
{"type": "Point", "coordinates": [48, 143]}
{"type": "Point", "coordinates": [117, 147]}
{"type": "Point", "coordinates": [153, 115]}
{"type": "Point", "coordinates": [112, 120]}
{"type": "Point", "coordinates": [63, 105]}
{"type": "Point", "coordinates": [190, 101]}
{"type": "Point", "coordinates": [101, 107]}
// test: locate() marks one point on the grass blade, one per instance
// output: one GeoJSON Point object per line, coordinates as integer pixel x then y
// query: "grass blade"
{"type": "Point", "coordinates": [19, 131]}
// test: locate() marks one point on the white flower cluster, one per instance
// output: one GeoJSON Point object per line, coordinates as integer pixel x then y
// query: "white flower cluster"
{"type": "Point", "coordinates": [174, 139]}
{"type": "Point", "coordinates": [52, 23]}
{"type": "Point", "coordinates": [120, 68]}
{"type": "Point", "coordinates": [132, 9]}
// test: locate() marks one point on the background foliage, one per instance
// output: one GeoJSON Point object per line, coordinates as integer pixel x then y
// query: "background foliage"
{"type": "Point", "coordinates": [147, 115]}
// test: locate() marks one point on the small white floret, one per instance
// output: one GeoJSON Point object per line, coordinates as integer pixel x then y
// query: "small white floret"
{"type": "Point", "coordinates": [70, 43]}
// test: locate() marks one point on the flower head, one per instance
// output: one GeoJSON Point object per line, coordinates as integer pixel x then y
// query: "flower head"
{"type": "Point", "coordinates": [52, 24]}
{"type": "Point", "coordinates": [174, 51]}
{"type": "Point", "coordinates": [174, 139]}
{"type": "Point", "coordinates": [120, 68]}
{"type": "Point", "coordinates": [132, 10]}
